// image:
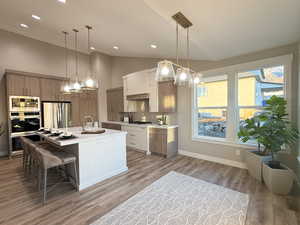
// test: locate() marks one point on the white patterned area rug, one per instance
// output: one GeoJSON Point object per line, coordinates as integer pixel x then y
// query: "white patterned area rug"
{"type": "Point", "coordinates": [176, 199]}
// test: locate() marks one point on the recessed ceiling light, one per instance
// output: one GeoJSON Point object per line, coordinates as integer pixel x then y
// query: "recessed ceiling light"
{"type": "Point", "coordinates": [153, 46]}
{"type": "Point", "coordinates": [62, 1]}
{"type": "Point", "coordinates": [24, 25]}
{"type": "Point", "coordinates": [36, 17]}
{"type": "Point", "coordinates": [92, 48]}
{"type": "Point", "coordinates": [116, 47]}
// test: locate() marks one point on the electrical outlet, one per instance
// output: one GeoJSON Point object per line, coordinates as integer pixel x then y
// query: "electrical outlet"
{"type": "Point", "coordinates": [237, 152]}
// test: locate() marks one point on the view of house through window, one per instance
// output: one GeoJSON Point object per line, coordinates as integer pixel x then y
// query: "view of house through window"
{"type": "Point", "coordinates": [255, 87]}
{"type": "Point", "coordinates": [212, 107]}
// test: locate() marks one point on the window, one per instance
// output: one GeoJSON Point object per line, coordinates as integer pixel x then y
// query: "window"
{"type": "Point", "coordinates": [255, 87]}
{"type": "Point", "coordinates": [211, 107]}
{"type": "Point", "coordinates": [223, 102]}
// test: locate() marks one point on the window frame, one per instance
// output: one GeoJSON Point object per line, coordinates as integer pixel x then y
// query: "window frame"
{"type": "Point", "coordinates": [196, 107]}
{"type": "Point", "coordinates": [233, 117]}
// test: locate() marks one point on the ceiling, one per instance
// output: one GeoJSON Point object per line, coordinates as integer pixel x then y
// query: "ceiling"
{"type": "Point", "coordinates": [222, 28]}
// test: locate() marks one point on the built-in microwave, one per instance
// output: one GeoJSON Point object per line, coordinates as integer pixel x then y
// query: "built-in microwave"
{"type": "Point", "coordinates": [24, 104]}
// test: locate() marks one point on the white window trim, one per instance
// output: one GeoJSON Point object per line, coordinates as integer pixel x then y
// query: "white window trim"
{"type": "Point", "coordinates": [233, 108]}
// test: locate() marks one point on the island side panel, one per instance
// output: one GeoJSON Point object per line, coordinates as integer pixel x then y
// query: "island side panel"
{"type": "Point", "coordinates": [101, 159]}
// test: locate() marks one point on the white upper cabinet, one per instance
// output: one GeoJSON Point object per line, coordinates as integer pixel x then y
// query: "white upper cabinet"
{"type": "Point", "coordinates": [142, 82]}
{"type": "Point", "coordinates": [137, 83]}
{"type": "Point", "coordinates": [162, 95]}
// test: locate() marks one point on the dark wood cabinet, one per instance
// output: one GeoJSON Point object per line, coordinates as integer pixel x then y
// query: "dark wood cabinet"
{"type": "Point", "coordinates": [88, 105]}
{"type": "Point", "coordinates": [112, 126]}
{"type": "Point", "coordinates": [167, 97]}
{"type": "Point", "coordinates": [163, 141]}
{"type": "Point", "coordinates": [51, 89]}
{"type": "Point", "coordinates": [115, 103]}
{"type": "Point", "coordinates": [20, 85]}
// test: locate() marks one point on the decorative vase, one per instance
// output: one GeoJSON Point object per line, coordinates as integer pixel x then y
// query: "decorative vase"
{"type": "Point", "coordinates": [279, 181]}
{"type": "Point", "coordinates": [254, 162]}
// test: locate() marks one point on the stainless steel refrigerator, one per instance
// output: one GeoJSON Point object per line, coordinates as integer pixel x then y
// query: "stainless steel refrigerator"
{"type": "Point", "coordinates": [56, 114]}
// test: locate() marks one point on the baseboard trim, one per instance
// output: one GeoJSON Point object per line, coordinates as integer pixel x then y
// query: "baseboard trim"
{"type": "Point", "coordinates": [213, 159]}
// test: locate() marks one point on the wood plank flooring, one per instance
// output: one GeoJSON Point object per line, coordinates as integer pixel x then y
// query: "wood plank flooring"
{"type": "Point", "coordinates": [20, 204]}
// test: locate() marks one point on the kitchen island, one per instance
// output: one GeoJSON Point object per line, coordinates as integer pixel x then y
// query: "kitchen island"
{"type": "Point", "coordinates": [99, 156]}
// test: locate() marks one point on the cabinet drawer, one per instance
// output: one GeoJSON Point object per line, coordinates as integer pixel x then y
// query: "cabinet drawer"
{"type": "Point", "coordinates": [136, 137]}
{"type": "Point", "coordinates": [111, 126]}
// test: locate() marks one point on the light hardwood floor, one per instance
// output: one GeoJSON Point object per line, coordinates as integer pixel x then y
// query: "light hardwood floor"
{"type": "Point", "coordinates": [21, 204]}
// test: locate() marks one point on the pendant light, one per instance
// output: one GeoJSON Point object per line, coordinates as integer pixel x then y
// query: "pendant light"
{"type": "Point", "coordinates": [184, 75]}
{"type": "Point", "coordinates": [165, 71]}
{"type": "Point", "coordinates": [89, 84]}
{"type": "Point", "coordinates": [66, 85]}
{"type": "Point", "coordinates": [76, 86]}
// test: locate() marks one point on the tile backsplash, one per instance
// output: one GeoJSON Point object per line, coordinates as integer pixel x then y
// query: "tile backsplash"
{"type": "Point", "coordinates": [153, 117]}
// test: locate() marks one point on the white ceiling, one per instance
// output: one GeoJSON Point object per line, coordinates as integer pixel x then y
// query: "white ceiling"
{"type": "Point", "coordinates": [222, 28]}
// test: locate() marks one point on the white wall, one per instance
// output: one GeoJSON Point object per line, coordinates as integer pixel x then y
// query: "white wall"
{"type": "Point", "coordinates": [21, 53]}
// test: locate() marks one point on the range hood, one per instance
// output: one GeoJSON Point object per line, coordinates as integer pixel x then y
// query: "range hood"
{"type": "Point", "coordinates": [138, 97]}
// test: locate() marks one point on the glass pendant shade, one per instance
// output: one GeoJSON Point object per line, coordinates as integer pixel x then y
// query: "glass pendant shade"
{"type": "Point", "coordinates": [197, 79]}
{"type": "Point", "coordinates": [89, 84]}
{"type": "Point", "coordinates": [66, 89]}
{"type": "Point", "coordinates": [165, 71]}
{"type": "Point", "coordinates": [75, 87]}
{"type": "Point", "coordinates": [183, 76]}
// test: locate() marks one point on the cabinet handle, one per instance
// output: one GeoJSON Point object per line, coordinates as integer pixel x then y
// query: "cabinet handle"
{"type": "Point", "coordinates": [132, 143]}
{"type": "Point", "coordinates": [132, 135]}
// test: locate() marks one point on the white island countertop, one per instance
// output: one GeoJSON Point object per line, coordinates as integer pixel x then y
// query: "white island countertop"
{"type": "Point", "coordinates": [81, 138]}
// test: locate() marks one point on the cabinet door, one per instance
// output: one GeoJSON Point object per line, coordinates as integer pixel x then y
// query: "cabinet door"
{"type": "Point", "coordinates": [156, 142]}
{"type": "Point", "coordinates": [115, 103]}
{"type": "Point", "coordinates": [88, 105]}
{"type": "Point", "coordinates": [50, 89]}
{"type": "Point", "coordinates": [56, 85]}
{"type": "Point", "coordinates": [75, 110]}
{"type": "Point", "coordinates": [16, 85]}
{"type": "Point", "coordinates": [47, 92]}
{"type": "Point", "coordinates": [167, 96]}
{"type": "Point", "coordinates": [32, 86]}
{"type": "Point", "coordinates": [111, 126]}
{"type": "Point", "coordinates": [109, 101]}
{"type": "Point", "coordinates": [137, 83]}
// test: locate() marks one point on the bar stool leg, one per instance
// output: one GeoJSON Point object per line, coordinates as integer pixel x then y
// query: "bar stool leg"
{"type": "Point", "coordinates": [45, 186]}
{"type": "Point", "coordinates": [76, 175]}
{"type": "Point", "coordinates": [39, 178]}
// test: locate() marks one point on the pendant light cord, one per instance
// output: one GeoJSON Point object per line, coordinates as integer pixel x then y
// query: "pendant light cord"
{"type": "Point", "coordinates": [66, 53]}
{"type": "Point", "coordinates": [177, 44]}
{"type": "Point", "coordinates": [89, 28]}
{"type": "Point", "coordinates": [188, 47]}
{"type": "Point", "coordinates": [76, 54]}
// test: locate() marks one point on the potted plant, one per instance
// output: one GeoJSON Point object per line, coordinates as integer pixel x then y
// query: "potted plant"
{"type": "Point", "coordinates": [251, 129]}
{"type": "Point", "coordinates": [277, 134]}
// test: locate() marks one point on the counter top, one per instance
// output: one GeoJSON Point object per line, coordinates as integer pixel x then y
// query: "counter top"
{"type": "Point", "coordinates": [79, 138]}
{"type": "Point", "coordinates": [142, 125]}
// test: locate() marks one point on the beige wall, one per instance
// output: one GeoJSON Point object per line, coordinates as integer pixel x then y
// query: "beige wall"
{"type": "Point", "coordinates": [102, 66]}
{"type": "Point", "coordinates": [21, 53]}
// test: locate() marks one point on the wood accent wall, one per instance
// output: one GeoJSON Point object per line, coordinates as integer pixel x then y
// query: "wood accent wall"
{"type": "Point", "coordinates": [48, 88]}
